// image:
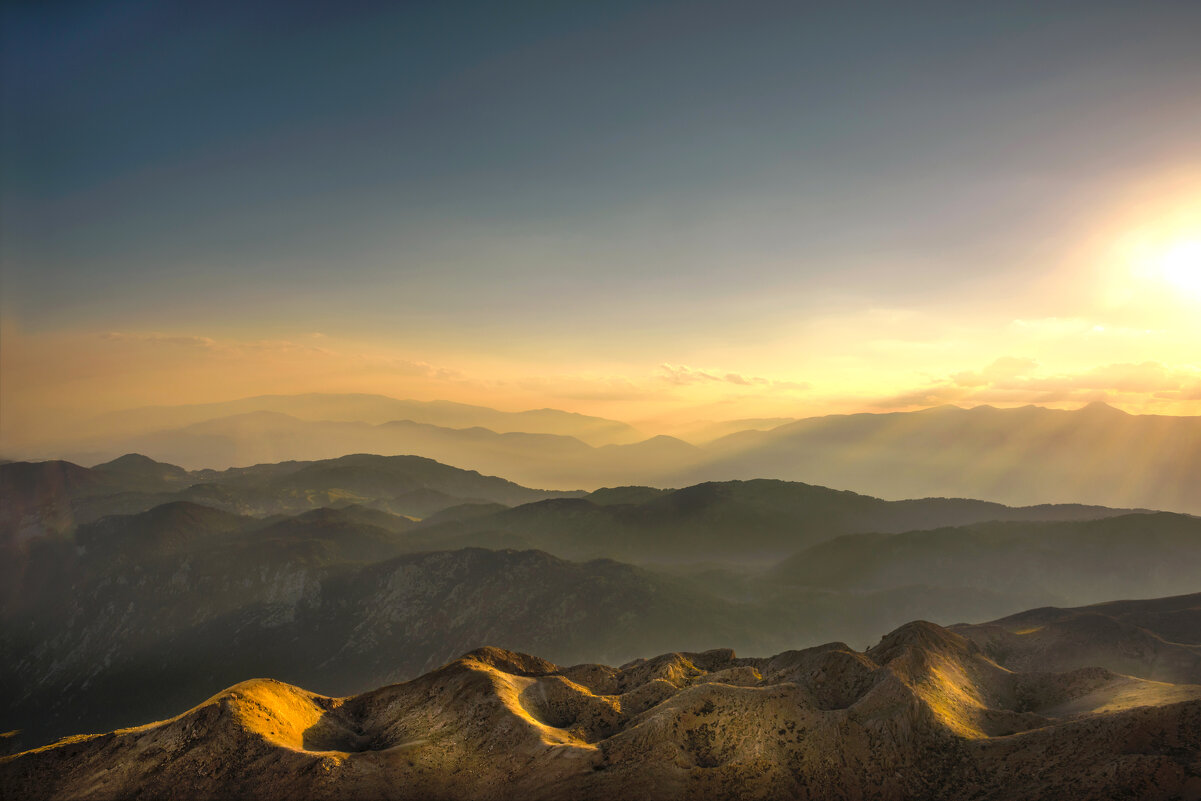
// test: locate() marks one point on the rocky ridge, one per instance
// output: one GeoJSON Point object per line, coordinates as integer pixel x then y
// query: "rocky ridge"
{"type": "Point", "coordinates": [923, 714]}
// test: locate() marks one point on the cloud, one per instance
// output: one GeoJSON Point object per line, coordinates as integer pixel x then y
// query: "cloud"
{"type": "Point", "coordinates": [1002, 368]}
{"type": "Point", "coordinates": [276, 346]}
{"type": "Point", "coordinates": [588, 388]}
{"type": "Point", "coordinates": [934, 395]}
{"type": "Point", "coordinates": [1191, 392]}
{"type": "Point", "coordinates": [1145, 377]}
{"type": "Point", "coordinates": [1052, 328]}
{"type": "Point", "coordinates": [165, 339]}
{"type": "Point", "coordinates": [226, 347]}
{"type": "Point", "coordinates": [407, 367]}
{"type": "Point", "coordinates": [683, 375]}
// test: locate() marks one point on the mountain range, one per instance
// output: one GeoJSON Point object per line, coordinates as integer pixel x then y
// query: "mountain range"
{"type": "Point", "coordinates": [42, 498]}
{"type": "Point", "coordinates": [361, 408]}
{"type": "Point", "coordinates": [1027, 455]}
{"type": "Point", "coordinates": [927, 712]}
{"type": "Point", "coordinates": [328, 575]}
{"type": "Point", "coordinates": [1019, 456]}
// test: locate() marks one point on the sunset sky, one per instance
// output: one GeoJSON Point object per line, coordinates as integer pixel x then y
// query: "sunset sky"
{"type": "Point", "coordinates": [648, 211]}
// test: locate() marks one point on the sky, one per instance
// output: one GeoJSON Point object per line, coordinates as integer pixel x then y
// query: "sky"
{"type": "Point", "coordinates": [646, 210]}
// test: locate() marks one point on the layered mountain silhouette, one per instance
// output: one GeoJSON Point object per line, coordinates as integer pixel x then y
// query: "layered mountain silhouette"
{"type": "Point", "coordinates": [48, 498]}
{"type": "Point", "coordinates": [703, 432]}
{"type": "Point", "coordinates": [307, 572]}
{"type": "Point", "coordinates": [1086, 560]}
{"type": "Point", "coordinates": [734, 521]}
{"type": "Point", "coordinates": [541, 459]}
{"type": "Point", "coordinates": [925, 713]}
{"type": "Point", "coordinates": [1021, 456]}
{"type": "Point", "coordinates": [744, 519]}
{"type": "Point", "coordinates": [307, 603]}
{"type": "Point", "coordinates": [1027, 455]}
{"type": "Point", "coordinates": [366, 408]}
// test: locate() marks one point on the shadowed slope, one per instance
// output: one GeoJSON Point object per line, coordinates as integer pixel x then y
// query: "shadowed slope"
{"type": "Point", "coordinates": [745, 521]}
{"type": "Point", "coordinates": [1158, 639]}
{"type": "Point", "coordinates": [40, 500]}
{"type": "Point", "coordinates": [169, 605]}
{"type": "Point", "coordinates": [294, 600]}
{"type": "Point", "coordinates": [1089, 560]}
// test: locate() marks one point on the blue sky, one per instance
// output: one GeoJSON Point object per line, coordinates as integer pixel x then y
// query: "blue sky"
{"type": "Point", "coordinates": [614, 181]}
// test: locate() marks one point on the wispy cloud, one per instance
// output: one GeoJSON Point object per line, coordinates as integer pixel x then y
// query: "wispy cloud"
{"type": "Point", "coordinates": [407, 367]}
{"type": "Point", "coordinates": [683, 375]}
{"type": "Point", "coordinates": [165, 339]}
{"type": "Point", "coordinates": [226, 346]}
{"type": "Point", "coordinates": [607, 388]}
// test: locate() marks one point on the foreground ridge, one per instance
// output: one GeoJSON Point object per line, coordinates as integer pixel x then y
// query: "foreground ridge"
{"type": "Point", "coordinates": [923, 714]}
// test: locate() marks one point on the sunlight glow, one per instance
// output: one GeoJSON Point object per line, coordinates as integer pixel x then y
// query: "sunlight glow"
{"type": "Point", "coordinates": [1157, 265]}
{"type": "Point", "coordinates": [1181, 265]}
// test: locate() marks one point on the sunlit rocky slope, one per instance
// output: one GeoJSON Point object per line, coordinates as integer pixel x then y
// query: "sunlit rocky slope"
{"type": "Point", "coordinates": [927, 713]}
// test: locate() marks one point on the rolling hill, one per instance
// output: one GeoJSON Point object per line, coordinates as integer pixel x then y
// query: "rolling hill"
{"type": "Point", "coordinates": [925, 713]}
{"type": "Point", "coordinates": [735, 521]}
{"type": "Point", "coordinates": [1158, 639]}
{"type": "Point", "coordinates": [1085, 561]}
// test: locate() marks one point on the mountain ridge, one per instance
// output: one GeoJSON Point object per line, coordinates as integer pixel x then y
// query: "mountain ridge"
{"type": "Point", "coordinates": [374, 408]}
{"type": "Point", "coordinates": [924, 713]}
{"type": "Point", "coordinates": [337, 598]}
{"type": "Point", "coordinates": [1021, 456]}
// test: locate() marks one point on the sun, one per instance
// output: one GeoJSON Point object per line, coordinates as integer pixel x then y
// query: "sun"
{"type": "Point", "coordinates": [1158, 265]}
{"type": "Point", "coordinates": [1180, 265]}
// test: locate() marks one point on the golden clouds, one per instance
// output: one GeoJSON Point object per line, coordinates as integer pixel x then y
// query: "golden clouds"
{"type": "Point", "coordinates": [683, 375]}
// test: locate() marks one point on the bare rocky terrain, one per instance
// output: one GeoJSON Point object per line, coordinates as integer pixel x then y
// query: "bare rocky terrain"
{"type": "Point", "coordinates": [926, 713]}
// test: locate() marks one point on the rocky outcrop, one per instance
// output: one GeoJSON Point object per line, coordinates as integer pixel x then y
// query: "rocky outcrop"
{"type": "Point", "coordinates": [924, 714]}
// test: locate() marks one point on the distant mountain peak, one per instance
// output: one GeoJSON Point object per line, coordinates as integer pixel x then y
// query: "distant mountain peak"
{"type": "Point", "coordinates": [1101, 407]}
{"type": "Point", "coordinates": [128, 460]}
{"type": "Point", "coordinates": [138, 463]}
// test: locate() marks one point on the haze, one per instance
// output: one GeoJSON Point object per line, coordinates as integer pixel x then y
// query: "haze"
{"type": "Point", "coordinates": [639, 399]}
{"type": "Point", "coordinates": [653, 212]}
